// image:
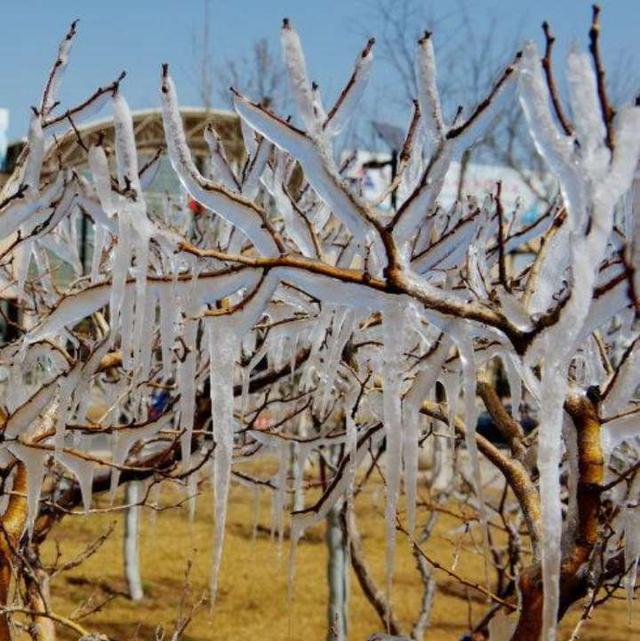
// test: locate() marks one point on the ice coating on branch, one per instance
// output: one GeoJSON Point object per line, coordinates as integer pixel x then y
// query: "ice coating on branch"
{"type": "Point", "coordinates": [450, 249]}
{"type": "Point", "coordinates": [590, 193]}
{"type": "Point", "coordinates": [33, 164]}
{"type": "Point", "coordinates": [223, 347]}
{"type": "Point", "coordinates": [514, 310]}
{"type": "Point", "coordinates": [585, 109]}
{"type": "Point", "coordinates": [76, 306]}
{"type": "Point", "coordinates": [412, 212]}
{"type": "Point", "coordinates": [318, 168]}
{"type": "Point", "coordinates": [17, 212]}
{"type": "Point", "coordinates": [220, 169]}
{"type": "Point", "coordinates": [132, 221]}
{"type": "Point", "coordinates": [428, 97]}
{"type": "Point", "coordinates": [307, 311]}
{"type": "Point", "coordinates": [240, 212]}
{"type": "Point", "coordinates": [297, 71]}
{"type": "Point", "coordinates": [123, 439]}
{"type": "Point", "coordinates": [50, 94]}
{"type": "Point", "coordinates": [514, 378]}
{"type": "Point", "coordinates": [24, 417]}
{"type": "Point", "coordinates": [554, 146]}
{"type": "Point", "coordinates": [296, 227]}
{"type": "Point", "coordinates": [253, 172]}
{"type": "Point", "coordinates": [350, 96]}
{"type": "Point", "coordinates": [126, 153]}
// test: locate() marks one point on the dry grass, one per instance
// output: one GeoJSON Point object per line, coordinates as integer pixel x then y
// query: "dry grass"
{"type": "Point", "coordinates": [253, 601]}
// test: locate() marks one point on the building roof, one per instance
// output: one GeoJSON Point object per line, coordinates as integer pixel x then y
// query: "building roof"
{"type": "Point", "coordinates": [149, 133]}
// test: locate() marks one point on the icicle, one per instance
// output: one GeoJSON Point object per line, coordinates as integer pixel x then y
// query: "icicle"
{"type": "Point", "coordinates": [411, 405]}
{"type": "Point", "coordinates": [464, 343]}
{"type": "Point", "coordinates": [120, 270]}
{"type": "Point", "coordinates": [451, 384]}
{"type": "Point", "coordinates": [224, 345]}
{"type": "Point", "coordinates": [502, 626]}
{"type": "Point", "coordinates": [99, 166]}
{"type": "Point", "coordinates": [280, 496]}
{"type": "Point", "coordinates": [100, 236]}
{"type": "Point", "coordinates": [553, 392]}
{"type": "Point", "coordinates": [393, 332]}
{"type": "Point", "coordinates": [301, 452]}
{"type": "Point", "coordinates": [186, 381]}
{"type": "Point", "coordinates": [167, 327]}
{"type": "Point", "coordinates": [34, 460]}
{"type": "Point", "coordinates": [83, 470]}
{"type": "Point", "coordinates": [515, 384]}
{"type": "Point", "coordinates": [631, 551]}
{"type": "Point", "coordinates": [192, 491]}
{"type": "Point", "coordinates": [126, 329]}
{"type": "Point", "coordinates": [256, 515]}
{"type": "Point", "coordinates": [142, 324]}
{"type": "Point", "coordinates": [341, 330]}
{"type": "Point", "coordinates": [67, 386]}
{"type": "Point", "coordinates": [147, 338]}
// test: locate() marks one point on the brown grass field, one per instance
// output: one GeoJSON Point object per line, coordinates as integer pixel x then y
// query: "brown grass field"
{"type": "Point", "coordinates": [253, 601]}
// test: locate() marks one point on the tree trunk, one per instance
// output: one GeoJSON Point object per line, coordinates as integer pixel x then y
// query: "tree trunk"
{"type": "Point", "coordinates": [336, 574]}
{"type": "Point", "coordinates": [13, 522]}
{"type": "Point", "coordinates": [131, 537]}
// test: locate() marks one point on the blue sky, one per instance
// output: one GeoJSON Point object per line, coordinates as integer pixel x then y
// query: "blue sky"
{"type": "Point", "coordinates": [139, 35]}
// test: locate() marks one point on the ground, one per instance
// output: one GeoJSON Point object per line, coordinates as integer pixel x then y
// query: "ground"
{"type": "Point", "coordinates": [253, 602]}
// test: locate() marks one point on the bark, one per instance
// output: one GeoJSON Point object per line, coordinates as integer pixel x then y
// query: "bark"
{"type": "Point", "coordinates": [573, 571]}
{"type": "Point", "coordinates": [38, 599]}
{"type": "Point", "coordinates": [13, 522]}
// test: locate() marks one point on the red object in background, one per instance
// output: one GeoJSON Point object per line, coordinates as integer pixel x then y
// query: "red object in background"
{"type": "Point", "coordinates": [195, 206]}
